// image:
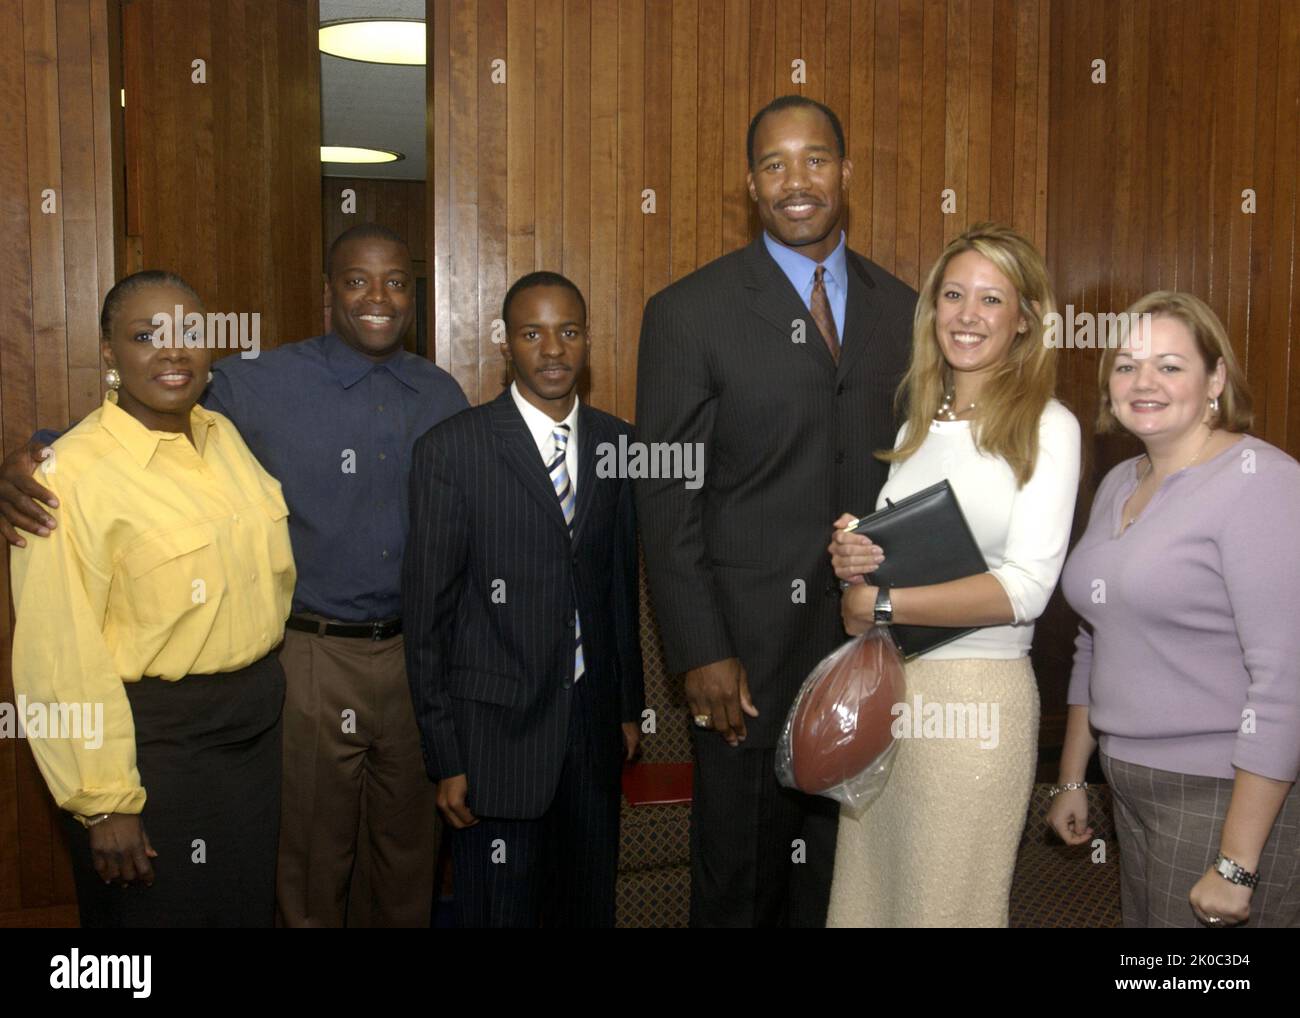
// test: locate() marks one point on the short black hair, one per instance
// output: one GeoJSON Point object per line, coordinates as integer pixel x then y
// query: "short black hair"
{"type": "Point", "coordinates": [542, 278]}
{"type": "Point", "coordinates": [363, 231]}
{"type": "Point", "coordinates": [786, 102]}
{"type": "Point", "coordinates": [123, 288]}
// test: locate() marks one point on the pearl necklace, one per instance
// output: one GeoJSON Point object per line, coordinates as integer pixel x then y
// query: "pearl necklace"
{"type": "Point", "coordinates": [946, 412]}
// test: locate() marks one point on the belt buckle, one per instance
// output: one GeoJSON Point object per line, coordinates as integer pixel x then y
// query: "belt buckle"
{"type": "Point", "coordinates": [376, 631]}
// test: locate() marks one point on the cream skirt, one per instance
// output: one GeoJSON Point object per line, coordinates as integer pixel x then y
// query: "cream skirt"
{"type": "Point", "coordinates": [938, 847]}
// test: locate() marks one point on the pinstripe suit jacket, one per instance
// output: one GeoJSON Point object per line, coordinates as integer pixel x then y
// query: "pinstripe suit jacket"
{"type": "Point", "coordinates": [490, 582]}
{"type": "Point", "coordinates": [739, 568]}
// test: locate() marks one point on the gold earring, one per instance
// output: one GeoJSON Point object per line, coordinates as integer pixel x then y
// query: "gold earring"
{"type": "Point", "coordinates": [113, 379]}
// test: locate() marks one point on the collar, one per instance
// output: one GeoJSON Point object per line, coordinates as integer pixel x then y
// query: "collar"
{"type": "Point", "coordinates": [799, 268]}
{"type": "Point", "coordinates": [349, 366]}
{"type": "Point", "coordinates": [541, 425]}
{"type": "Point", "coordinates": [140, 442]}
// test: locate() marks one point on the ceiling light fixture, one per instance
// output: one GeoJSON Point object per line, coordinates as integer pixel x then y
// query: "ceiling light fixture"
{"type": "Point", "coordinates": [353, 154]}
{"type": "Point", "coordinates": [375, 40]}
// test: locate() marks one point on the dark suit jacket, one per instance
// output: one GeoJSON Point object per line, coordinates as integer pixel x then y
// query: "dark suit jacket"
{"type": "Point", "coordinates": [739, 568]}
{"type": "Point", "coordinates": [489, 586]}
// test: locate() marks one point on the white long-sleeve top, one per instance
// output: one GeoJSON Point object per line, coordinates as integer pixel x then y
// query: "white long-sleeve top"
{"type": "Point", "coordinates": [1023, 532]}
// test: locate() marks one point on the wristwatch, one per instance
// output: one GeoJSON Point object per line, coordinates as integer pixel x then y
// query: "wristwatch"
{"type": "Point", "coordinates": [1234, 872]}
{"type": "Point", "coordinates": [884, 613]}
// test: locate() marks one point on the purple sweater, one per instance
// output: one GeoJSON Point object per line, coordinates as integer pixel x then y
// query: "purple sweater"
{"type": "Point", "coordinates": [1193, 662]}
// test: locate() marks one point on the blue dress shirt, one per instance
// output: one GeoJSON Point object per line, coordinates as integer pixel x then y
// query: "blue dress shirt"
{"type": "Point", "coordinates": [336, 429]}
{"type": "Point", "coordinates": [800, 269]}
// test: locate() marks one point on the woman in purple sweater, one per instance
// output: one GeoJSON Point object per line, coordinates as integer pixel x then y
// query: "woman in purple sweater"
{"type": "Point", "coordinates": [1187, 666]}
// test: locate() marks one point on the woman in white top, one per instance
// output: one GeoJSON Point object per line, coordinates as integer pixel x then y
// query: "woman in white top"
{"type": "Point", "coordinates": [938, 847]}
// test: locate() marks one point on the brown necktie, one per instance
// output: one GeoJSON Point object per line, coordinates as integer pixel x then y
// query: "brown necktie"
{"type": "Point", "coordinates": [821, 312]}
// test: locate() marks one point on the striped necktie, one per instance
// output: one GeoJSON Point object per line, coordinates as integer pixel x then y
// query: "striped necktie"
{"type": "Point", "coordinates": [559, 471]}
{"type": "Point", "coordinates": [822, 314]}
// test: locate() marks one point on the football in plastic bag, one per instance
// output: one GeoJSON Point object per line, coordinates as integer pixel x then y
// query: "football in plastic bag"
{"type": "Point", "coordinates": [838, 740]}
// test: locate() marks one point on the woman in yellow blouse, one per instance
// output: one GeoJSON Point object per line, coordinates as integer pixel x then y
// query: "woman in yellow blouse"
{"type": "Point", "coordinates": [155, 605]}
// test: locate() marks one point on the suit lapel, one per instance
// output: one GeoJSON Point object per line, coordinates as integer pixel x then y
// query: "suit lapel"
{"type": "Point", "coordinates": [860, 315]}
{"type": "Point", "coordinates": [773, 298]}
{"type": "Point", "coordinates": [589, 437]}
{"type": "Point", "coordinates": [517, 448]}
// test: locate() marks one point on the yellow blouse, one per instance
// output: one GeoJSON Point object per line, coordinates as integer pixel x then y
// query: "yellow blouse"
{"type": "Point", "coordinates": [169, 559]}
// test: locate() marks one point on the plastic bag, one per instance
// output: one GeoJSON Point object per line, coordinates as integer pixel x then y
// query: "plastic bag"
{"type": "Point", "coordinates": [838, 739]}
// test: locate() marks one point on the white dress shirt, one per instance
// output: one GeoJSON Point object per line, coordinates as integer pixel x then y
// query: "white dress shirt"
{"type": "Point", "coordinates": [542, 427]}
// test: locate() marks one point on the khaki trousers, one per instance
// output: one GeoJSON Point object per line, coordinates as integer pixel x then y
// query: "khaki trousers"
{"type": "Point", "coordinates": [354, 788]}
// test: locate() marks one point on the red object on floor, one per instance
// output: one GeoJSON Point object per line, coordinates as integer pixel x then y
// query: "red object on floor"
{"type": "Point", "coordinates": [658, 784]}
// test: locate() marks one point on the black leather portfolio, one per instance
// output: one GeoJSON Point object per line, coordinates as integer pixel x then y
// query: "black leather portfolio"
{"type": "Point", "coordinates": [926, 539]}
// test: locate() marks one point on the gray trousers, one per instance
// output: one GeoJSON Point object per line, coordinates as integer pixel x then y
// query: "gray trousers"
{"type": "Point", "coordinates": [1169, 826]}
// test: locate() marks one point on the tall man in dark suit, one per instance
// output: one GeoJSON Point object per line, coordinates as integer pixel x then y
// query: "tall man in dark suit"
{"type": "Point", "coordinates": [782, 358]}
{"type": "Point", "coordinates": [523, 648]}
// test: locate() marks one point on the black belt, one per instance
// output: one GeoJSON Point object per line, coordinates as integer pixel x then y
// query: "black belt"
{"type": "Point", "coordinates": [383, 630]}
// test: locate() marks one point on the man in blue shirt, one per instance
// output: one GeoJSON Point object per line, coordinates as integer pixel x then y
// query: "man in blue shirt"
{"type": "Point", "coordinates": [781, 360]}
{"type": "Point", "coordinates": [334, 418]}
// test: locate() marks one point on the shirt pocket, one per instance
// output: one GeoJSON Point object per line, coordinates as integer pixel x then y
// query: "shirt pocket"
{"type": "Point", "coordinates": [279, 547]}
{"type": "Point", "coordinates": [173, 574]}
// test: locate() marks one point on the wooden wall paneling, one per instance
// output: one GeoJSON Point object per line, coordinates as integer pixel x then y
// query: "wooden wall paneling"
{"type": "Point", "coordinates": [1194, 150]}
{"type": "Point", "coordinates": [1291, 33]}
{"type": "Point", "coordinates": [813, 49]}
{"type": "Point", "coordinates": [50, 363]}
{"type": "Point", "coordinates": [788, 46]}
{"type": "Point", "coordinates": [934, 60]}
{"type": "Point", "coordinates": [1242, 91]}
{"type": "Point", "coordinates": [858, 123]}
{"type": "Point", "coordinates": [884, 137]}
{"type": "Point", "coordinates": [1261, 268]}
{"type": "Point", "coordinates": [550, 154]}
{"type": "Point", "coordinates": [577, 99]}
{"type": "Point", "coordinates": [437, 127]}
{"type": "Point", "coordinates": [302, 101]}
{"type": "Point", "coordinates": [911, 54]}
{"type": "Point", "coordinates": [684, 175]}
{"type": "Point", "coordinates": [632, 178]}
{"type": "Point", "coordinates": [1281, 425]}
{"type": "Point", "coordinates": [660, 104]}
{"type": "Point", "coordinates": [980, 111]}
{"type": "Point", "coordinates": [460, 355]}
{"type": "Point", "coordinates": [1043, 90]}
{"type": "Point", "coordinates": [224, 175]}
{"type": "Point", "coordinates": [762, 53]}
{"type": "Point", "coordinates": [396, 204]}
{"type": "Point", "coordinates": [494, 261]}
{"type": "Point", "coordinates": [606, 205]}
{"type": "Point", "coordinates": [665, 91]}
{"type": "Point", "coordinates": [521, 168]}
{"type": "Point", "coordinates": [45, 171]}
{"type": "Point", "coordinates": [1025, 164]}
{"type": "Point", "coordinates": [55, 265]}
{"type": "Point", "coordinates": [736, 207]}
{"type": "Point", "coordinates": [711, 137]}
{"type": "Point", "coordinates": [839, 58]}
{"type": "Point", "coordinates": [110, 185]}
{"type": "Point", "coordinates": [957, 110]}
{"type": "Point", "coordinates": [1003, 144]}
{"type": "Point", "coordinates": [17, 382]}
{"type": "Point", "coordinates": [80, 212]}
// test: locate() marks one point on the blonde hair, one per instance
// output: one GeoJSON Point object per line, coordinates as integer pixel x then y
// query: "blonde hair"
{"type": "Point", "coordinates": [1017, 391]}
{"type": "Point", "coordinates": [1235, 413]}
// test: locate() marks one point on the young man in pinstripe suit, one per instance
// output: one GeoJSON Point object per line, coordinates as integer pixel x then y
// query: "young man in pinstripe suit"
{"type": "Point", "coordinates": [523, 653]}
